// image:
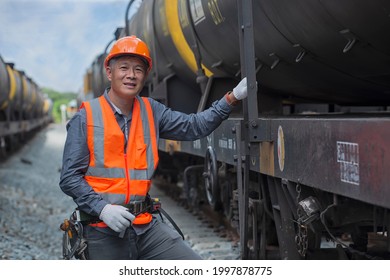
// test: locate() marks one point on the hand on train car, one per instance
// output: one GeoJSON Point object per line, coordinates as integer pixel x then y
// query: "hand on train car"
{"type": "Point", "coordinates": [116, 217]}
{"type": "Point", "coordinates": [241, 91]}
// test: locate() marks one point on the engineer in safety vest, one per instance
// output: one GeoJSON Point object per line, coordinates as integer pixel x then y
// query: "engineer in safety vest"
{"type": "Point", "coordinates": [111, 153]}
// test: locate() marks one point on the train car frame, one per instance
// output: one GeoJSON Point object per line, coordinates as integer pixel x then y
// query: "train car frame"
{"type": "Point", "coordinates": [304, 178]}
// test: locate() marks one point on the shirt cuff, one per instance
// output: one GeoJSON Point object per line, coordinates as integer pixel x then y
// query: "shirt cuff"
{"type": "Point", "coordinates": [229, 101]}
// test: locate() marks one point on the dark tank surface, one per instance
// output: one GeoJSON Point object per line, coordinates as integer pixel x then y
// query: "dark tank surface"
{"type": "Point", "coordinates": [323, 51]}
{"type": "Point", "coordinates": [5, 84]}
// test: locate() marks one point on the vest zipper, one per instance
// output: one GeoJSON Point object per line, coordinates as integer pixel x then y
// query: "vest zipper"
{"type": "Point", "coordinates": [126, 134]}
{"type": "Point", "coordinates": [127, 181]}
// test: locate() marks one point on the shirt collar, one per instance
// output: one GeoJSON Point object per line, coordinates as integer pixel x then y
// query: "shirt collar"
{"type": "Point", "coordinates": [115, 108]}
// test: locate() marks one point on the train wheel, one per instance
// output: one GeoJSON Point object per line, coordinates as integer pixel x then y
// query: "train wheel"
{"type": "Point", "coordinates": [210, 176]}
{"type": "Point", "coordinates": [191, 187]}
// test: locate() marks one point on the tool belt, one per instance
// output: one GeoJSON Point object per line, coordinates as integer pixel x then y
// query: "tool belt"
{"type": "Point", "coordinates": [150, 206]}
{"type": "Point", "coordinates": [74, 244]}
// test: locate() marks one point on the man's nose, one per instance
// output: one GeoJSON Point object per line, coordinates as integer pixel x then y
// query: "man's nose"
{"type": "Point", "coordinates": [130, 74]}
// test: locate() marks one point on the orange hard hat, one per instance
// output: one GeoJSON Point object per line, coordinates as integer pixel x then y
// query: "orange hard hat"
{"type": "Point", "coordinates": [130, 45]}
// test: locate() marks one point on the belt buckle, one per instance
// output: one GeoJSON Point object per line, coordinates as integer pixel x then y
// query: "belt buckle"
{"type": "Point", "coordinates": [136, 207]}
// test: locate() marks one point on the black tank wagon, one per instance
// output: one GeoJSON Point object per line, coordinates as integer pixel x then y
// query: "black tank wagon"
{"type": "Point", "coordinates": [23, 108]}
{"type": "Point", "coordinates": [304, 159]}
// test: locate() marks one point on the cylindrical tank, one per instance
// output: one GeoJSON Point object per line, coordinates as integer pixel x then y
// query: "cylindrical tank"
{"type": "Point", "coordinates": [324, 51]}
{"type": "Point", "coordinates": [17, 103]}
{"type": "Point", "coordinates": [87, 82]}
{"type": "Point", "coordinates": [5, 85]}
{"type": "Point", "coordinates": [47, 106]}
{"type": "Point", "coordinates": [150, 24]}
{"type": "Point", "coordinates": [155, 24]}
{"type": "Point", "coordinates": [20, 96]}
{"type": "Point", "coordinates": [29, 95]}
{"type": "Point", "coordinates": [87, 93]}
{"type": "Point", "coordinates": [99, 78]}
{"type": "Point", "coordinates": [36, 100]}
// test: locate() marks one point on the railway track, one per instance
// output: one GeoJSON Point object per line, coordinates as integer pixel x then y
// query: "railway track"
{"type": "Point", "coordinates": [205, 231]}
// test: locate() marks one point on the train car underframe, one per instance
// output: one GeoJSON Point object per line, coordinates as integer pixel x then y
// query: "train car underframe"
{"type": "Point", "coordinates": [334, 184]}
{"type": "Point", "coordinates": [14, 133]}
{"type": "Point", "coordinates": [311, 186]}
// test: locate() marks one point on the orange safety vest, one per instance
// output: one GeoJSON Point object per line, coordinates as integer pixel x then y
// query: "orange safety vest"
{"type": "Point", "coordinates": [119, 177]}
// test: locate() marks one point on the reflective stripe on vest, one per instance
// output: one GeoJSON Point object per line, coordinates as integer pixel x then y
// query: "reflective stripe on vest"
{"type": "Point", "coordinates": [120, 177]}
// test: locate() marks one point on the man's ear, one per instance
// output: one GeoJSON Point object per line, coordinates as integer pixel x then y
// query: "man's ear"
{"type": "Point", "coordinates": [108, 73]}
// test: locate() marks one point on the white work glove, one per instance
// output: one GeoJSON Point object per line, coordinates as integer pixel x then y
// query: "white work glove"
{"type": "Point", "coordinates": [241, 91]}
{"type": "Point", "coordinates": [116, 217]}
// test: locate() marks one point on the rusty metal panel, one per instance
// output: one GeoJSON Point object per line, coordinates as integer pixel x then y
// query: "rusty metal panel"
{"type": "Point", "coordinates": [349, 156]}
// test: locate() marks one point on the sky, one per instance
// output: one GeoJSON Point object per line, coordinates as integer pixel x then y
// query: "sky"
{"type": "Point", "coordinates": [55, 41]}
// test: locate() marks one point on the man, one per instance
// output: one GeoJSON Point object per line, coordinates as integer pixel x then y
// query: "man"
{"type": "Point", "coordinates": [111, 153]}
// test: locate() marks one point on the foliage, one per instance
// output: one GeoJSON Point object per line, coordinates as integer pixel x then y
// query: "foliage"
{"type": "Point", "coordinates": [58, 99]}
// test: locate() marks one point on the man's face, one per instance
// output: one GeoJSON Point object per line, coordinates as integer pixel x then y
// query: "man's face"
{"type": "Point", "coordinates": [127, 76]}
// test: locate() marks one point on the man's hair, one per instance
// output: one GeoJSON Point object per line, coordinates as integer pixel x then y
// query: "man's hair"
{"type": "Point", "coordinates": [112, 61]}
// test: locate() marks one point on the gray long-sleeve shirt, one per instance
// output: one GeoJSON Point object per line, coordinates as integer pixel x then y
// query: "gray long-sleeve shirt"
{"type": "Point", "coordinates": [169, 125]}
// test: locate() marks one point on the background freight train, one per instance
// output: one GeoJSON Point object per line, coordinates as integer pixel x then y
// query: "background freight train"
{"type": "Point", "coordinates": [23, 108]}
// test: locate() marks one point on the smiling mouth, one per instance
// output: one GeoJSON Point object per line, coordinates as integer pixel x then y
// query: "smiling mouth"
{"type": "Point", "coordinates": [130, 85]}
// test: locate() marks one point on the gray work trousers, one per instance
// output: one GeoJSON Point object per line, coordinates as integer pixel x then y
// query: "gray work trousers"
{"type": "Point", "coordinates": [160, 242]}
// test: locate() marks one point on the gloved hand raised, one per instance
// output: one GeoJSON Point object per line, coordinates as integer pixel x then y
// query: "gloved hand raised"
{"type": "Point", "coordinates": [116, 217]}
{"type": "Point", "coordinates": [241, 91]}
